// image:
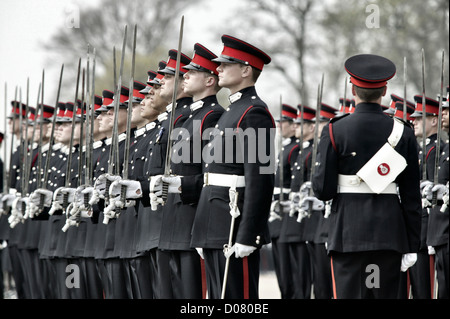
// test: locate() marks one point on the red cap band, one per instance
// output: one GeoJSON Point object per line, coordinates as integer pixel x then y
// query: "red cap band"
{"type": "Point", "coordinates": [243, 56]}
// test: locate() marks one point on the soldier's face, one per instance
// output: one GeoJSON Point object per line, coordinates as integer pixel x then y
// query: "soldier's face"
{"type": "Point", "coordinates": [65, 131]}
{"type": "Point", "coordinates": [195, 82]}
{"type": "Point", "coordinates": [430, 122]}
{"type": "Point", "coordinates": [136, 117]}
{"type": "Point", "coordinates": [105, 122]}
{"type": "Point", "coordinates": [287, 128]}
{"type": "Point", "coordinates": [230, 74]}
{"type": "Point", "coordinates": [167, 85]}
{"type": "Point", "coordinates": [445, 119]}
{"type": "Point", "coordinates": [14, 123]}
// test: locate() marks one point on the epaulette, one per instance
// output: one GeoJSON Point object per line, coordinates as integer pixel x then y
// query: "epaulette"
{"type": "Point", "coordinates": [404, 122]}
{"type": "Point", "coordinates": [338, 117]}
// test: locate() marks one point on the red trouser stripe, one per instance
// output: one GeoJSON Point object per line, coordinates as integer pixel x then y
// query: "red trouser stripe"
{"type": "Point", "coordinates": [202, 267]}
{"type": "Point", "coordinates": [332, 278]}
{"type": "Point", "coordinates": [246, 278]}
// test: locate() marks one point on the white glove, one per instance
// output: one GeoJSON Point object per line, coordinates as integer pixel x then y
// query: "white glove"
{"type": "Point", "coordinates": [200, 252]}
{"type": "Point", "coordinates": [35, 197]}
{"type": "Point", "coordinates": [431, 250]}
{"type": "Point", "coordinates": [133, 189]}
{"type": "Point", "coordinates": [408, 260]}
{"type": "Point", "coordinates": [316, 203]}
{"type": "Point", "coordinates": [100, 184]}
{"type": "Point", "coordinates": [295, 201]}
{"type": "Point", "coordinates": [156, 192]}
{"type": "Point", "coordinates": [423, 185]}
{"type": "Point", "coordinates": [174, 183]}
{"type": "Point", "coordinates": [9, 199]}
{"type": "Point", "coordinates": [305, 189]}
{"type": "Point", "coordinates": [241, 250]}
{"type": "Point", "coordinates": [440, 191]}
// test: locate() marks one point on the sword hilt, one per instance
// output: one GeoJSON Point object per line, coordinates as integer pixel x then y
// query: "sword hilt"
{"type": "Point", "coordinates": [65, 200]}
{"type": "Point", "coordinates": [123, 193]}
{"type": "Point", "coordinates": [107, 185]}
{"type": "Point", "coordinates": [165, 191]}
{"type": "Point", "coordinates": [86, 200]}
{"type": "Point", "coordinates": [434, 199]}
{"type": "Point", "coordinates": [41, 202]}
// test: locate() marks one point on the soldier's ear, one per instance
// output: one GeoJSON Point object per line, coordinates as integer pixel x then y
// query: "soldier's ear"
{"type": "Point", "coordinates": [353, 90]}
{"type": "Point", "coordinates": [384, 91]}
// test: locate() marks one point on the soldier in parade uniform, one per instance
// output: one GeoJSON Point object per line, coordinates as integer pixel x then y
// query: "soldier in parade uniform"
{"type": "Point", "coordinates": [280, 207]}
{"type": "Point", "coordinates": [295, 229]}
{"type": "Point", "coordinates": [437, 235]}
{"type": "Point", "coordinates": [231, 180]}
{"type": "Point", "coordinates": [373, 227]}
{"type": "Point", "coordinates": [420, 271]}
{"type": "Point", "coordinates": [200, 82]}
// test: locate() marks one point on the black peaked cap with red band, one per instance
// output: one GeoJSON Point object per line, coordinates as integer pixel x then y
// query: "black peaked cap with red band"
{"type": "Point", "coordinates": [124, 94]}
{"type": "Point", "coordinates": [288, 113]}
{"type": "Point", "coordinates": [326, 112]}
{"type": "Point", "coordinates": [151, 75]}
{"type": "Point", "coordinates": [47, 111]}
{"type": "Point", "coordinates": [137, 95]}
{"type": "Point", "coordinates": [202, 60]}
{"type": "Point", "coordinates": [308, 114]}
{"type": "Point", "coordinates": [172, 63]}
{"type": "Point", "coordinates": [399, 110]}
{"type": "Point", "coordinates": [238, 51]}
{"type": "Point", "coordinates": [369, 71]}
{"type": "Point", "coordinates": [431, 106]}
{"type": "Point", "coordinates": [16, 109]}
{"type": "Point", "coordinates": [159, 76]}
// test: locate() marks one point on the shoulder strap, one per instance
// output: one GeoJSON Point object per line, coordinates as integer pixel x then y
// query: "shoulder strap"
{"type": "Point", "coordinates": [396, 134]}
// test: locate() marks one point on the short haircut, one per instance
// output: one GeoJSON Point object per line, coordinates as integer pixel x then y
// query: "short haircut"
{"type": "Point", "coordinates": [368, 95]}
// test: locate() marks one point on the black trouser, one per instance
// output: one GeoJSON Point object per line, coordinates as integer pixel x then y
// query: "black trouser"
{"type": "Point", "coordinates": [442, 267]}
{"type": "Point", "coordinates": [366, 275]}
{"type": "Point", "coordinates": [301, 270]}
{"type": "Point", "coordinates": [280, 254]}
{"type": "Point", "coordinates": [140, 276]}
{"type": "Point", "coordinates": [185, 274]}
{"type": "Point", "coordinates": [321, 271]}
{"type": "Point", "coordinates": [419, 275]}
{"type": "Point", "coordinates": [243, 275]}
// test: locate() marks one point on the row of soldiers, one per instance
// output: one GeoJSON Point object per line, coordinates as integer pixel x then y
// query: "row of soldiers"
{"type": "Point", "coordinates": [149, 234]}
{"type": "Point", "coordinates": [79, 236]}
{"type": "Point", "coordinates": [299, 235]}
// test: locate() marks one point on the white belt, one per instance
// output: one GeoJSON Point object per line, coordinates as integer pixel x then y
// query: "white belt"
{"type": "Point", "coordinates": [276, 190]}
{"type": "Point", "coordinates": [354, 184]}
{"type": "Point", "coordinates": [224, 180]}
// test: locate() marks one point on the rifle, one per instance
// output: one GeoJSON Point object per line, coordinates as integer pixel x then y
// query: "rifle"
{"type": "Point", "coordinates": [165, 186]}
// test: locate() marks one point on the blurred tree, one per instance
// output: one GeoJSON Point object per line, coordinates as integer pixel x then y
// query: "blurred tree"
{"type": "Point", "coordinates": [103, 27]}
{"type": "Point", "coordinates": [306, 39]}
{"type": "Point", "coordinates": [405, 27]}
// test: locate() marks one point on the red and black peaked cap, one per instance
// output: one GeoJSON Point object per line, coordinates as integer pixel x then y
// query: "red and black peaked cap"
{"type": "Point", "coordinates": [124, 94]}
{"type": "Point", "coordinates": [369, 71]}
{"type": "Point", "coordinates": [137, 95]}
{"type": "Point", "coordinates": [151, 75]}
{"type": "Point", "coordinates": [172, 63]}
{"type": "Point", "coordinates": [308, 114]}
{"type": "Point", "coordinates": [17, 108]}
{"type": "Point", "coordinates": [159, 76]}
{"type": "Point", "coordinates": [238, 51]}
{"type": "Point", "coordinates": [202, 60]}
{"type": "Point", "coordinates": [288, 113]}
